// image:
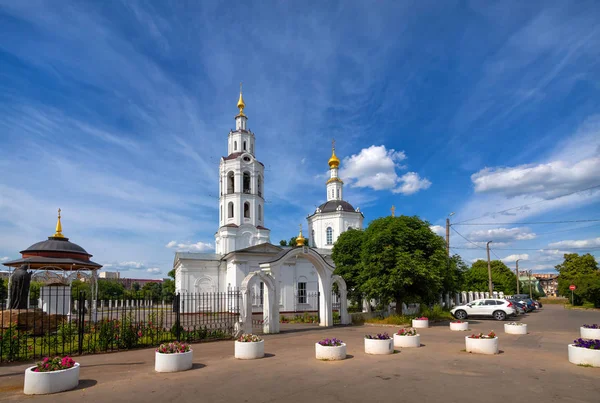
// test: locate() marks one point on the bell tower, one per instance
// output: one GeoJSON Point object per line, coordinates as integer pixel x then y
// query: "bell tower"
{"type": "Point", "coordinates": [241, 190]}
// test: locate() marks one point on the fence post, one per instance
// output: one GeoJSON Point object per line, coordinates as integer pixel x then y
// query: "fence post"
{"type": "Point", "coordinates": [177, 307]}
{"type": "Point", "coordinates": [319, 306]}
{"type": "Point", "coordinates": [80, 320]}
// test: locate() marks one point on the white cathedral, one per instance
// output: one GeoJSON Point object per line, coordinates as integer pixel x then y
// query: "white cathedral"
{"type": "Point", "coordinates": [242, 242]}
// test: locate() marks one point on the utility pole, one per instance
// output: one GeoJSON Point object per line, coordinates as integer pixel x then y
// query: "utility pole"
{"type": "Point", "coordinates": [448, 234]}
{"type": "Point", "coordinates": [517, 272]}
{"type": "Point", "coordinates": [530, 294]}
{"type": "Point", "coordinates": [489, 269]}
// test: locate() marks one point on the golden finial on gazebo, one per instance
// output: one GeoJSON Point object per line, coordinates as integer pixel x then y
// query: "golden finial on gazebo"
{"type": "Point", "coordinates": [58, 233]}
{"type": "Point", "coordinates": [300, 239]}
{"type": "Point", "coordinates": [241, 105]}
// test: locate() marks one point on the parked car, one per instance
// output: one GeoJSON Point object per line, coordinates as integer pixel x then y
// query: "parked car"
{"type": "Point", "coordinates": [498, 309]}
{"type": "Point", "coordinates": [529, 303]}
{"type": "Point", "coordinates": [519, 307]}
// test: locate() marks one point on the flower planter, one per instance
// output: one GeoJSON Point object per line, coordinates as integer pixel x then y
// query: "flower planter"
{"type": "Point", "coordinates": [249, 350]}
{"type": "Point", "coordinates": [42, 383]}
{"type": "Point", "coordinates": [589, 333]}
{"type": "Point", "coordinates": [333, 353]}
{"type": "Point", "coordinates": [375, 346]}
{"type": "Point", "coordinates": [481, 346]}
{"type": "Point", "coordinates": [420, 323]}
{"type": "Point", "coordinates": [459, 327]}
{"type": "Point", "coordinates": [584, 356]}
{"type": "Point", "coordinates": [515, 329]}
{"type": "Point", "coordinates": [173, 362]}
{"type": "Point", "coordinates": [407, 341]}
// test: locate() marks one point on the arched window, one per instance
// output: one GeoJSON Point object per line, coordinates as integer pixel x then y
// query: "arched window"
{"type": "Point", "coordinates": [230, 183]}
{"type": "Point", "coordinates": [230, 210]}
{"type": "Point", "coordinates": [259, 185]}
{"type": "Point", "coordinates": [246, 210]}
{"type": "Point", "coordinates": [259, 212]}
{"type": "Point", "coordinates": [338, 193]}
{"type": "Point", "coordinates": [329, 236]}
{"type": "Point", "coordinates": [247, 182]}
{"type": "Point", "coordinates": [235, 146]}
{"type": "Point", "coordinates": [244, 146]}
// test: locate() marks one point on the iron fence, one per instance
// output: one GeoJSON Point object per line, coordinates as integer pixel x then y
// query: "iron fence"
{"type": "Point", "coordinates": [64, 321]}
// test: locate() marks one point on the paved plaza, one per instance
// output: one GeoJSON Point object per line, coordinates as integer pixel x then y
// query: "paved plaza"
{"type": "Point", "coordinates": [532, 367]}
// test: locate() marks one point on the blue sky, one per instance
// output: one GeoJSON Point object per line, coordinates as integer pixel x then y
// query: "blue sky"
{"type": "Point", "coordinates": [118, 113]}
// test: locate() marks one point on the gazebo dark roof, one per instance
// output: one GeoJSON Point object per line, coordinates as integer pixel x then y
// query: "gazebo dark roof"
{"type": "Point", "coordinates": [54, 244]}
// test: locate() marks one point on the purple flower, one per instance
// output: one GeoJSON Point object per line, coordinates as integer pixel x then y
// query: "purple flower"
{"type": "Point", "coordinates": [587, 343]}
{"type": "Point", "coordinates": [594, 326]}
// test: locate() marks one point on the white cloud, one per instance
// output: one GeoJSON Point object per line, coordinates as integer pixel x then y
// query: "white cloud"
{"type": "Point", "coordinates": [411, 183]}
{"type": "Point", "coordinates": [583, 243]}
{"type": "Point", "coordinates": [502, 234]}
{"type": "Point", "coordinates": [153, 270]}
{"type": "Point", "coordinates": [513, 258]}
{"type": "Point", "coordinates": [190, 247]}
{"type": "Point", "coordinates": [375, 168]}
{"type": "Point", "coordinates": [131, 265]}
{"type": "Point", "coordinates": [546, 180]}
{"type": "Point", "coordinates": [438, 229]}
{"type": "Point", "coordinates": [4, 259]}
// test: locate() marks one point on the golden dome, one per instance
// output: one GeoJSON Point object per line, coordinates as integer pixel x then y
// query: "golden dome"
{"type": "Point", "coordinates": [58, 233]}
{"type": "Point", "coordinates": [241, 105]}
{"type": "Point", "coordinates": [334, 161]}
{"type": "Point", "coordinates": [300, 239]}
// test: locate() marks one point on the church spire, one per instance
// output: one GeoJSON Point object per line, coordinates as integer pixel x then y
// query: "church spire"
{"type": "Point", "coordinates": [241, 105]}
{"type": "Point", "coordinates": [334, 161]}
{"type": "Point", "coordinates": [300, 239]}
{"type": "Point", "coordinates": [58, 233]}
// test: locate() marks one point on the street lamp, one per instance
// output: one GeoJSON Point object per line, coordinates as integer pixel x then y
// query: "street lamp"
{"type": "Point", "coordinates": [517, 270]}
{"type": "Point", "coordinates": [448, 233]}
{"type": "Point", "coordinates": [489, 269]}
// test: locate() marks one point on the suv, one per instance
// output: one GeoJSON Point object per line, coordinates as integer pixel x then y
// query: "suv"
{"type": "Point", "coordinates": [498, 309]}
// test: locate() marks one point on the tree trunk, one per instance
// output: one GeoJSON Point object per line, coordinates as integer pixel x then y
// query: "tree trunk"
{"type": "Point", "coordinates": [398, 306]}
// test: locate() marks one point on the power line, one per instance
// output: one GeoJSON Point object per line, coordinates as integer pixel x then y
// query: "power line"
{"type": "Point", "coordinates": [530, 204]}
{"type": "Point", "coordinates": [566, 230]}
{"type": "Point", "coordinates": [531, 222]}
{"type": "Point", "coordinates": [463, 237]}
{"type": "Point", "coordinates": [538, 249]}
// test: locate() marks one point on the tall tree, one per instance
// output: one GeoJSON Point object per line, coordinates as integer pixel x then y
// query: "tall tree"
{"type": "Point", "coordinates": [3, 290]}
{"type": "Point", "coordinates": [581, 271]}
{"type": "Point", "coordinates": [402, 259]}
{"type": "Point", "coordinates": [347, 257]}
{"type": "Point", "coordinates": [503, 278]}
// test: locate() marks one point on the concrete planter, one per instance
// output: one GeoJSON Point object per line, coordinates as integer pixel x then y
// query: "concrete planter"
{"type": "Point", "coordinates": [173, 362]}
{"type": "Point", "coordinates": [43, 383]}
{"type": "Point", "coordinates": [249, 350]}
{"type": "Point", "coordinates": [407, 341]}
{"type": "Point", "coordinates": [515, 329]}
{"type": "Point", "coordinates": [374, 346]}
{"type": "Point", "coordinates": [584, 356]}
{"type": "Point", "coordinates": [333, 353]}
{"type": "Point", "coordinates": [482, 346]}
{"type": "Point", "coordinates": [420, 323]}
{"type": "Point", "coordinates": [589, 333]}
{"type": "Point", "coordinates": [459, 327]}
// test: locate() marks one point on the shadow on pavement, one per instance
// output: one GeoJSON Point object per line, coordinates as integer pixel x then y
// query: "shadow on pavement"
{"type": "Point", "coordinates": [86, 383]}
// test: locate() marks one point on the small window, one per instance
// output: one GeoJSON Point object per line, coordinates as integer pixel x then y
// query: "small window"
{"type": "Point", "coordinates": [312, 239]}
{"type": "Point", "coordinates": [302, 293]}
{"type": "Point", "coordinates": [490, 302]}
{"type": "Point", "coordinates": [259, 212]}
{"type": "Point", "coordinates": [230, 210]}
{"type": "Point", "coordinates": [329, 236]}
{"type": "Point", "coordinates": [338, 193]}
{"type": "Point", "coordinates": [244, 146]}
{"type": "Point", "coordinates": [235, 146]}
{"type": "Point", "coordinates": [246, 210]}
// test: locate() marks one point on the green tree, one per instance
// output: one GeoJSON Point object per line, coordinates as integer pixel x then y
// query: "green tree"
{"type": "Point", "coordinates": [283, 242]}
{"type": "Point", "coordinates": [3, 290]}
{"type": "Point", "coordinates": [582, 271]}
{"type": "Point", "coordinates": [455, 275]}
{"type": "Point", "coordinates": [110, 289]}
{"type": "Point", "coordinates": [171, 274]}
{"type": "Point", "coordinates": [402, 259]}
{"type": "Point", "coordinates": [503, 278]}
{"type": "Point", "coordinates": [346, 254]}
{"type": "Point", "coordinates": [135, 286]}
{"type": "Point", "coordinates": [168, 289]}
{"type": "Point", "coordinates": [152, 290]}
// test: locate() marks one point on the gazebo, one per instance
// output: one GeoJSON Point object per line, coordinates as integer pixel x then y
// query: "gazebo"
{"type": "Point", "coordinates": [63, 262]}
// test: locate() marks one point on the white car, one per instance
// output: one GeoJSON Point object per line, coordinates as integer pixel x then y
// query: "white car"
{"type": "Point", "coordinates": [498, 309]}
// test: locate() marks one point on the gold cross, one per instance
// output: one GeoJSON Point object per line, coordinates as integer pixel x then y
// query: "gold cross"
{"type": "Point", "coordinates": [393, 211]}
